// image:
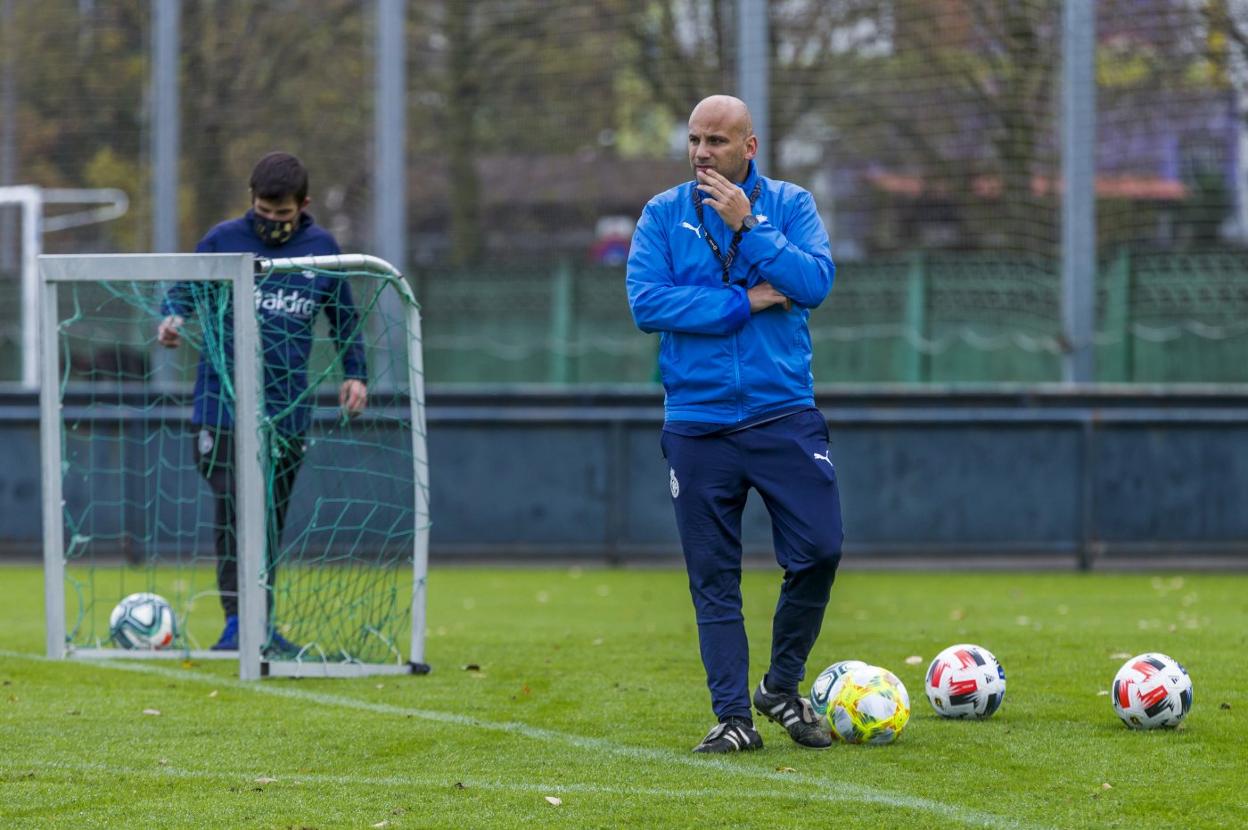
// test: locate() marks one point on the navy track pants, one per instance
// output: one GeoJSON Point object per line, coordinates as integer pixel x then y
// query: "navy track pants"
{"type": "Point", "coordinates": [788, 462]}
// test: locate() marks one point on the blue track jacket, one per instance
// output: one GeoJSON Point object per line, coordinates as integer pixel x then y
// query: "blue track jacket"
{"type": "Point", "coordinates": [720, 363]}
{"type": "Point", "coordinates": [287, 305]}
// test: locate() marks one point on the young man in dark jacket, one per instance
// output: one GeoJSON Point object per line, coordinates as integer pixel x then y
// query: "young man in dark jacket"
{"type": "Point", "coordinates": [726, 268]}
{"type": "Point", "coordinates": [287, 305]}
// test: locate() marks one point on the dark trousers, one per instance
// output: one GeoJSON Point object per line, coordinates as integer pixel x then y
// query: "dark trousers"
{"type": "Point", "coordinates": [788, 462]}
{"type": "Point", "coordinates": [214, 456]}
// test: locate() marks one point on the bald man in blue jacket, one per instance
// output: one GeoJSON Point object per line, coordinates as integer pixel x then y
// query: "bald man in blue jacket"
{"type": "Point", "coordinates": [726, 269]}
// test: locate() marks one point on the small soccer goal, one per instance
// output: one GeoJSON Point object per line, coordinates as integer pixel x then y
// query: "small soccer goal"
{"type": "Point", "coordinates": [164, 466]}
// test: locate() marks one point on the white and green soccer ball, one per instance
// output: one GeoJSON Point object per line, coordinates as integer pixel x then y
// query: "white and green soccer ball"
{"type": "Point", "coordinates": [868, 705]}
{"type": "Point", "coordinates": [821, 689]}
{"type": "Point", "coordinates": [142, 621]}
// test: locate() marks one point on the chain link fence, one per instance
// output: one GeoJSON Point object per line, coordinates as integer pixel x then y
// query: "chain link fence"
{"type": "Point", "coordinates": [926, 129]}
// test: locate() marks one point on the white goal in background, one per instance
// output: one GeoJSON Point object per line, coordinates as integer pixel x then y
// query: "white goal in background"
{"type": "Point", "coordinates": [125, 510]}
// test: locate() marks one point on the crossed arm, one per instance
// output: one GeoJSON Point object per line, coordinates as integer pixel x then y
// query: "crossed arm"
{"type": "Point", "coordinates": [732, 205]}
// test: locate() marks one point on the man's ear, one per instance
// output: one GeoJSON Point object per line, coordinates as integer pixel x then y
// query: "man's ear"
{"type": "Point", "coordinates": [307, 200]}
{"type": "Point", "coordinates": [751, 147]}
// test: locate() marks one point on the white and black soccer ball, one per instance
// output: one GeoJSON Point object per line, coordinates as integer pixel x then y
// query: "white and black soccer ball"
{"type": "Point", "coordinates": [821, 689]}
{"type": "Point", "coordinates": [1152, 691]}
{"type": "Point", "coordinates": [142, 621]}
{"type": "Point", "coordinates": [965, 681]}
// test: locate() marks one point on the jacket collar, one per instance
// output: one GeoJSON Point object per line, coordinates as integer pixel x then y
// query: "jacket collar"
{"type": "Point", "coordinates": [750, 178]}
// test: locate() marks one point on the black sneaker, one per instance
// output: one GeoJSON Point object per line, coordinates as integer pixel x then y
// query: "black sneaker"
{"type": "Point", "coordinates": [733, 735]}
{"type": "Point", "coordinates": [795, 714]}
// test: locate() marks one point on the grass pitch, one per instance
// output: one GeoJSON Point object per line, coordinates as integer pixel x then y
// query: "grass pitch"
{"type": "Point", "coordinates": [588, 692]}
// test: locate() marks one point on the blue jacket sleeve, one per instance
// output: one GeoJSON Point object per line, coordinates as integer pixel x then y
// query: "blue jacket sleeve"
{"type": "Point", "coordinates": [344, 326]}
{"type": "Point", "coordinates": [659, 304]}
{"type": "Point", "coordinates": [179, 299]}
{"type": "Point", "coordinates": [795, 259]}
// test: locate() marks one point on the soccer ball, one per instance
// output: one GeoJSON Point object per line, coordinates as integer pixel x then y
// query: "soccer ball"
{"type": "Point", "coordinates": [965, 681]}
{"type": "Point", "coordinates": [821, 689]}
{"type": "Point", "coordinates": [868, 705]}
{"type": "Point", "coordinates": [142, 621]}
{"type": "Point", "coordinates": [1150, 691]}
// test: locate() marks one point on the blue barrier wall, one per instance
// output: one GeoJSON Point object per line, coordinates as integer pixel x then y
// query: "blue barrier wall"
{"type": "Point", "coordinates": [1035, 473]}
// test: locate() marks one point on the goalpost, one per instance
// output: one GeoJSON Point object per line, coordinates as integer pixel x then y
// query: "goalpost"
{"type": "Point", "coordinates": [125, 508]}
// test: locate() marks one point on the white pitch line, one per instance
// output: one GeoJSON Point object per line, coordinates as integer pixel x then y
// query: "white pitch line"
{"type": "Point", "coordinates": [821, 789]}
{"type": "Point", "coordinates": [293, 779]}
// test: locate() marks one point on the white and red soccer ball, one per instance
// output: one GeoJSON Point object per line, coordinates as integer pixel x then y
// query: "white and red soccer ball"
{"type": "Point", "coordinates": [1152, 690]}
{"type": "Point", "coordinates": [965, 681]}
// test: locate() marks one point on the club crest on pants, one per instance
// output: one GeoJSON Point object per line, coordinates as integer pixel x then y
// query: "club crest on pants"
{"type": "Point", "coordinates": [673, 482]}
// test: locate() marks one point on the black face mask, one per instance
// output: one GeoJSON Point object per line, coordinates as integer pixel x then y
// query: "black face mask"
{"type": "Point", "coordinates": [274, 231]}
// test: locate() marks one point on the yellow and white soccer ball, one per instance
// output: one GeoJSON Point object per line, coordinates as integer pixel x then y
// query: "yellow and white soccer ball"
{"type": "Point", "coordinates": [868, 705]}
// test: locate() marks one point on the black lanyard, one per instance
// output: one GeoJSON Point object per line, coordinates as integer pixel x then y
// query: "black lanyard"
{"type": "Point", "coordinates": [725, 262]}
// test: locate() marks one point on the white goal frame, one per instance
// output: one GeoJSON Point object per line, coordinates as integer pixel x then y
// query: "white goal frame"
{"type": "Point", "coordinates": [109, 203]}
{"type": "Point", "coordinates": [240, 270]}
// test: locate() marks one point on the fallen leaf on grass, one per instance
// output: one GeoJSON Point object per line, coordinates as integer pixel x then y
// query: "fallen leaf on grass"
{"type": "Point", "coordinates": [785, 769]}
{"type": "Point", "coordinates": [913, 660]}
{"type": "Point", "coordinates": [1102, 693]}
{"type": "Point", "coordinates": [151, 711]}
{"type": "Point", "coordinates": [1107, 786]}
{"type": "Point", "coordinates": [1119, 655]}
{"type": "Point", "coordinates": [264, 779]}
{"type": "Point", "coordinates": [382, 824]}
{"type": "Point", "coordinates": [550, 799]}
{"type": "Point", "coordinates": [213, 693]}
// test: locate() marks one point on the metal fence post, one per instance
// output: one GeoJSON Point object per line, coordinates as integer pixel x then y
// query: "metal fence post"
{"type": "Point", "coordinates": [560, 322]}
{"type": "Point", "coordinates": [916, 368]}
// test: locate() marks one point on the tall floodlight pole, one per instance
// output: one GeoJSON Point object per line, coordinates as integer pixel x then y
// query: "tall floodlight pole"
{"type": "Point", "coordinates": [754, 71]}
{"type": "Point", "coordinates": [1079, 189]}
{"type": "Point", "coordinates": [8, 131]}
{"type": "Point", "coordinates": [166, 22]}
{"type": "Point", "coordinates": [390, 166]}
{"type": "Point", "coordinates": [390, 130]}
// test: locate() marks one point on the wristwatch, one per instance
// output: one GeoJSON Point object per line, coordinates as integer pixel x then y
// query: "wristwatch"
{"type": "Point", "coordinates": [749, 223]}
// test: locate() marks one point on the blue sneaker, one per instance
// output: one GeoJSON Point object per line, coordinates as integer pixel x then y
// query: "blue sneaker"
{"type": "Point", "coordinates": [229, 637]}
{"type": "Point", "coordinates": [279, 646]}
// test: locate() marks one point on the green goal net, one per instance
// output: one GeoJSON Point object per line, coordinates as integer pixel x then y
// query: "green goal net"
{"type": "Point", "coordinates": [305, 514]}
